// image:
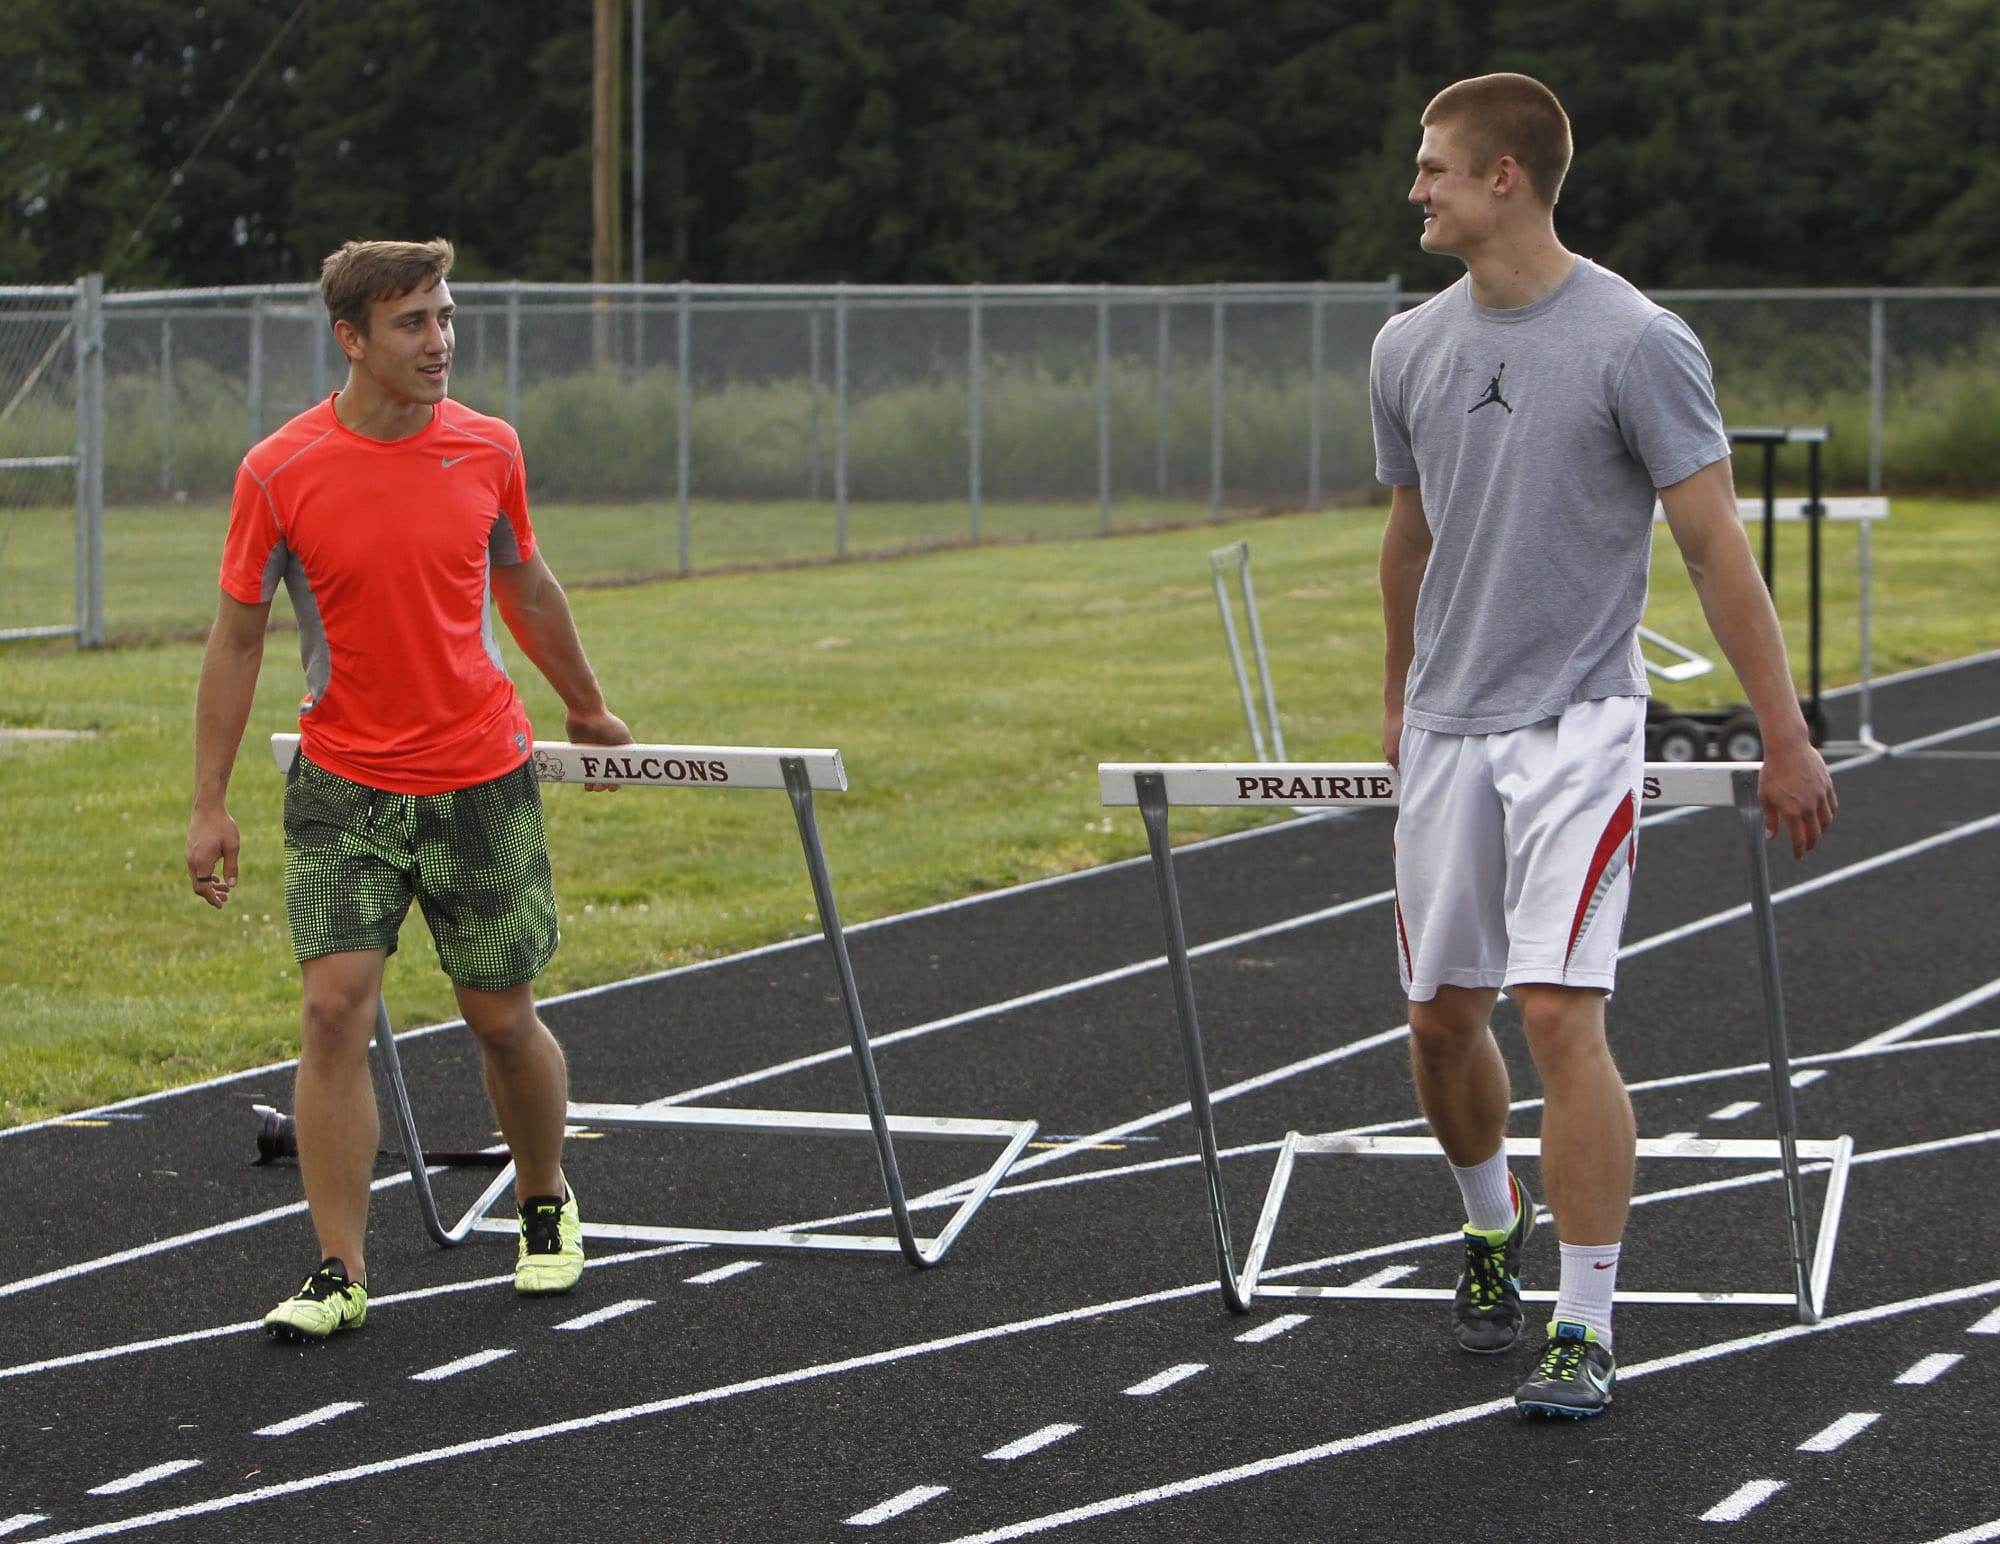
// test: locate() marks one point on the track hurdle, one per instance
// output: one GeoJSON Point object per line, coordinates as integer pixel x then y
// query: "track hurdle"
{"type": "Point", "coordinates": [716, 768]}
{"type": "Point", "coordinates": [1156, 787]}
{"type": "Point", "coordinates": [1221, 563]}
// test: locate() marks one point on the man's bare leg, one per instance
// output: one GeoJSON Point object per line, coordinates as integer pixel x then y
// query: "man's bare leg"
{"type": "Point", "coordinates": [528, 1080]}
{"type": "Point", "coordinates": [1588, 1132]}
{"type": "Point", "coordinates": [1462, 1084]}
{"type": "Point", "coordinates": [334, 1105]}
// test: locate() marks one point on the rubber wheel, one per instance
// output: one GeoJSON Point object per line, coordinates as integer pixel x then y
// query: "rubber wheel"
{"type": "Point", "coordinates": [1742, 740]}
{"type": "Point", "coordinates": [1680, 739]}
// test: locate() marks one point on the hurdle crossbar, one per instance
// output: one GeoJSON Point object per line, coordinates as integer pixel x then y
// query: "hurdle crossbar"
{"type": "Point", "coordinates": [799, 772]}
{"type": "Point", "coordinates": [1156, 787]}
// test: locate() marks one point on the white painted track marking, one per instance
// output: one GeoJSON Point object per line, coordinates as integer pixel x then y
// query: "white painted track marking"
{"type": "Point", "coordinates": [21, 1520]}
{"type": "Point", "coordinates": [1990, 1325]}
{"type": "Point", "coordinates": [1383, 1277]}
{"type": "Point", "coordinates": [317, 1417]}
{"type": "Point", "coordinates": [1736, 1111]}
{"type": "Point", "coordinates": [1937, 1015]}
{"type": "Point", "coordinates": [1930, 1369]}
{"type": "Point", "coordinates": [145, 1477]}
{"type": "Point", "coordinates": [823, 1370]}
{"type": "Point", "coordinates": [1741, 1502]}
{"type": "Point", "coordinates": [1841, 1432]}
{"type": "Point", "coordinates": [722, 1273]}
{"type": "Point", "coordinates": [896, 1506]}
{"type": "Point", "coordinates": [1281, 1325]}
{"type": "Point", "coordinates": [1179, 1373]}
{"type": "Point", "coordinates": [1803, 1079]}
{"type": "Point", "coordinates": [463, 1364]}
{"type": "Point", "coordinates": [1035, 1441]}
{"type": "Point", "coordinates": [1983, 1533]}
{"type": "Point", "coordinates": [605, 1315]}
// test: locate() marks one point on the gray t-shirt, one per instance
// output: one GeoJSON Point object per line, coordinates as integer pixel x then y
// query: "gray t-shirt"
{"type": "Point", "coordinates": [1537, 437]}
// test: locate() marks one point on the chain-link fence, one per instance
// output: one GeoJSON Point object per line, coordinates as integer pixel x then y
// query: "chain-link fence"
{"type": "Point", "coordinates": [51, 441]}
{"type": "Point", "coordinates": [674, 429]}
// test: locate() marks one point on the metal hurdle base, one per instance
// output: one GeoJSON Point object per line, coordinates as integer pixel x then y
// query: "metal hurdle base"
{"type": "Point", "coordinates": [1837, 1153]}
{"type": "Point", "coordinates": [798, 772]}
{"type": "Point", "coordinates": [1156, 788]}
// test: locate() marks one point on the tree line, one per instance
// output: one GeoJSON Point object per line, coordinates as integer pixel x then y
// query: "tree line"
{"type": "Point", "coordinates": [1761, 142]}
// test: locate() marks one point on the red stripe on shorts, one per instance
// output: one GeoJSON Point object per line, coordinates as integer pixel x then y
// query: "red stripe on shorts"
{"type": "Point", "coordinates": [1616, 831]}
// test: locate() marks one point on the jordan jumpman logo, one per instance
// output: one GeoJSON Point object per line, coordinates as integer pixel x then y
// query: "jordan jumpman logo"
{"type": "Point", "coordinates": [1492, 394]}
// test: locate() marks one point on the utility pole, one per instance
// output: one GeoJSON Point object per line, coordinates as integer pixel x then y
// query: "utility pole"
{"type": "Point", "coordinates": [605, 20]}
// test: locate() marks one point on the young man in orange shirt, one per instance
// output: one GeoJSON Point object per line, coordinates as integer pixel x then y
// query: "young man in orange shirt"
{"type": "Point", "coordinates": [391, 513]}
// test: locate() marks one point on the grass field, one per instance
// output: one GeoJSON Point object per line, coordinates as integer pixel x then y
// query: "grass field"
{"type": "Point", "coordinates": [972, 693]}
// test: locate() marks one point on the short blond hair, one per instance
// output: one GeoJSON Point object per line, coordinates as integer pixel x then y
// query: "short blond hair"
{"type": "Point", "coordinates": [1507, 114]}
{"type": "Point", "coordinates": [352, 279]}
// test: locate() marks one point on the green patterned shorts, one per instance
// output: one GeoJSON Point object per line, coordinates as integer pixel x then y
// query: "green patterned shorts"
{"type": "Point", "coordinates": [476, 860]}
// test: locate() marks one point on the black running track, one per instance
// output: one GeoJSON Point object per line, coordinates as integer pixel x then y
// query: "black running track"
{"type": "Point", "coordinates": [1070, 1369]}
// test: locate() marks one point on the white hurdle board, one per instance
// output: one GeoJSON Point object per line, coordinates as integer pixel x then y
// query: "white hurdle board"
{"type": "Point", "coordinates": [799, 772]}
{"type": "Point", "coordinates": [1156, 787]}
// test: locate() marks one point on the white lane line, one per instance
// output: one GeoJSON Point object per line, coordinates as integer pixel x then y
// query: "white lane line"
{"type": "Point", "coordinates": [1383, 1277]}
{"type": "Point", "coordinates": [317, 1417]}
{"type": "Point", "coordinates": [1442, 1420]}
{"type": "Point", "coordinates": [145, 1477]}
{"type": "Point", "coordinates": [1741, 1502]}
{"type": "Point", "coordinates": [1979, 1533]}
{"type": "Point", "coordinates": [896, 1506]}
{"type": "Point", "coordinates": [722, 1273]}
{"type": "Point", "coordinates": [1283, 1324]}
{"type": "Point", "coordinates": [1842, 1431]}
{"type": "Point", "coordinates": [1735, 1111]}
{"type": "Point", "coordinates": [1178, 1373]}
{"type": "Point", "coordinates": [1677, 1136]}
{"type": "Point", "coordinates": [1802, 1079]}
{"type": "Point", "coordinates": [1990, 1325]}
{"type": "Point", "coordinates": [21, 1520]}
{"type": "Point", "coordinates": [1937, 1015]}
{"type": "Point", "coordinates": [605, 1315]}
{"type": "Point", "coordinates": [463, 1364]}
{"type": "Point", "coordinates": [523, 1435]}
{"type": "Point", "coordinates": [1035, 1441]}
{"type": "Point", "coordinates": [1930, 1369]}
{"type": "Point", "coordinates": [1811, 886]}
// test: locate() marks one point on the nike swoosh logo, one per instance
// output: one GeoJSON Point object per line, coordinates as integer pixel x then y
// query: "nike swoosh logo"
{"type": "Point", "coordinates": [1602, 1385]}
{"type": "Point", "coordinates": [451, 461]}
{"type": "Point", "coordinates": [1597, 1266]}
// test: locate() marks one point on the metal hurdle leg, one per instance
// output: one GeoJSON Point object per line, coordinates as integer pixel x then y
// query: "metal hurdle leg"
{"type": "Point", "coordinates": [1153, 811]}
{"type": "Point", "coordinates": [1237, 556]}
{"type": "Point", "coordinates": [1155, 788]}
{"type": "Point", "coordinates": [741, 767]}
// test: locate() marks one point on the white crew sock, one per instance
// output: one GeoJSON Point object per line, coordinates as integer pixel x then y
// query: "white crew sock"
{"type": "Point", "coordinates": [1488, 1193]}
{"type": "Point", "coordinates": [1589, 1273]}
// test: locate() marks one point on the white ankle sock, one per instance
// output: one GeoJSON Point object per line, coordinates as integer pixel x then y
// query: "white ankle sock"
{"type": "Point", "coordinates": [1488, 1193]}
{"type": "Point", "coordinates": [1589, 1273]}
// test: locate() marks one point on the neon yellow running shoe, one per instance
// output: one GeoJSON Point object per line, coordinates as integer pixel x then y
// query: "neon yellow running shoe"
{"type": "Point", "coordinates": [328, 1302]}
{"type": "Point", "coordinates": [1574, 1377]}
{"type": "Point", "coordinates": [551, 1254]}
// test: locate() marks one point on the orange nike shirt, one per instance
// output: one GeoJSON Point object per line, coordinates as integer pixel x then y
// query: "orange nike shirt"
{"type": "Point", "coordinates": [386, 548]}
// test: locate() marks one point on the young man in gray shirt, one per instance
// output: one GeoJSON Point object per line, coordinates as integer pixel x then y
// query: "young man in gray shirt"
{"type": "Point", "coordinates": [1525, 420]}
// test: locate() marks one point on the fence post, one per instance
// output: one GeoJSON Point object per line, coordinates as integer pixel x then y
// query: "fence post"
{"type": "Point", "coordinates": [683, 411]}
{"type": "Point", "coordinates": [812, 370]}
{"type": "Point", "coordinates": [255, 390]}
{"type": "Point", "coordinates": [1215, 407]}
{"type": "Point", "coordinates": [975, 346]}
{"type": "Point", "coordinates": [1877, 375]}
{"type": "Point", "coordinates": [89, 313]}
{"type": "Point", "coordinates": [1104, 408]}
{"type": "Point", "coordinates": [1160, 473]}
{"type": "Point", "coordinates": [840, 422]}
{"type": "Point", "coordinates": [514, 353]}
{"type": "Point", "coordinates": [166, 404]}
{"type": "Point", "coordinates": [1315, 489]}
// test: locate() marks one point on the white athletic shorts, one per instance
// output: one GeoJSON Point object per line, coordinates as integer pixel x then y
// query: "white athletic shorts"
{"type": "Point", "coordinates": [1515, 851]}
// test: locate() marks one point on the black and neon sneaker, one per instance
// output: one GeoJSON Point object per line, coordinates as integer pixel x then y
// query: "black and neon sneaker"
{"type": "Point", "coordinates": [328, 1302]}
{"type": "Point", "coordinates": [1574, 1378]}
{"type": "Point", "coordinates": [1487, 1305]}
{"type": "Point", "coordinates": [550, 1258]}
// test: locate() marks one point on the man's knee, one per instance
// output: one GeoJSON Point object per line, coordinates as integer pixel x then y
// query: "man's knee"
{"type": "Point", "coordinates": [1561, 1024]}
{"type": "Point", "coordinates": [1450, 1024]}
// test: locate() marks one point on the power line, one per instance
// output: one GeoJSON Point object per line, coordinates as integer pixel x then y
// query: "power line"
{"type": "Point", "coordinates": [174, 179]}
